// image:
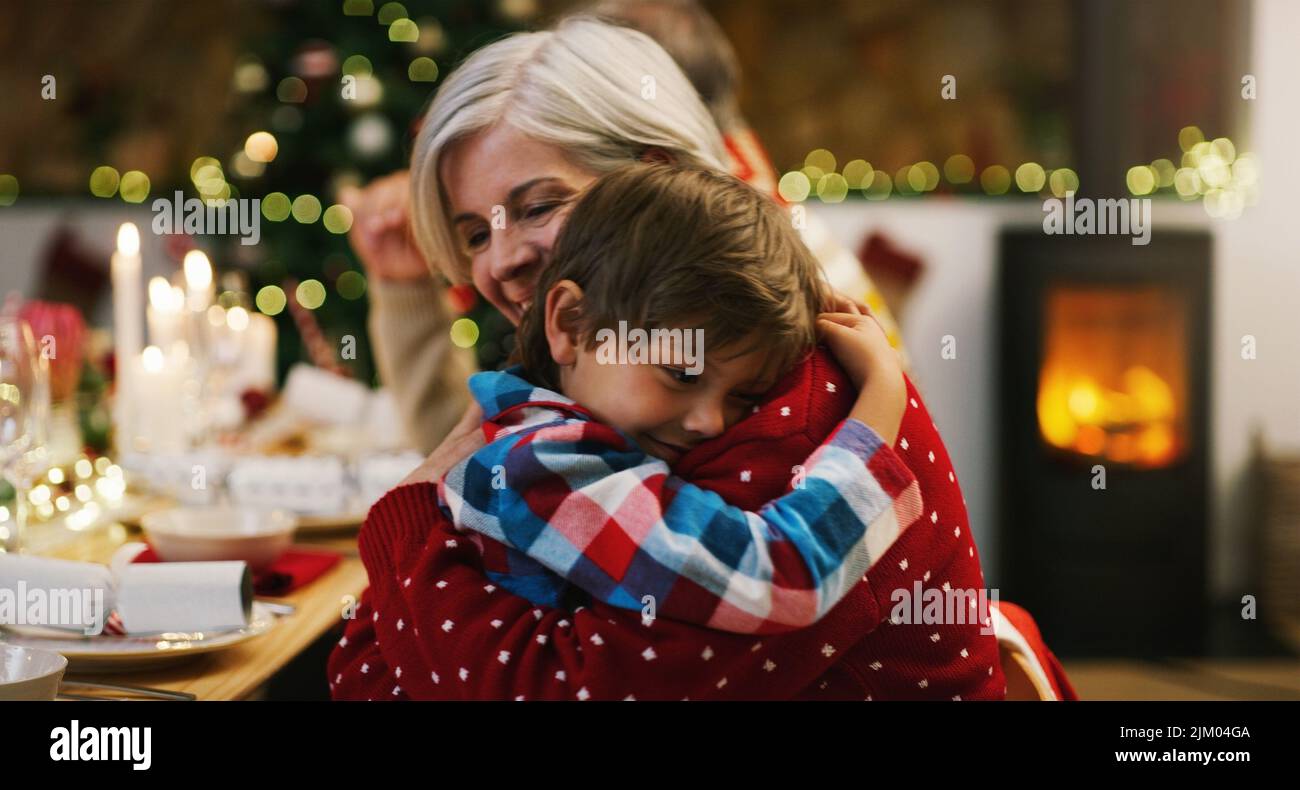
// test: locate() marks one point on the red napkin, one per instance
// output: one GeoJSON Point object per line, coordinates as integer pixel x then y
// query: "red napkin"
{"type": "Point", "coordinates": [295, 568]}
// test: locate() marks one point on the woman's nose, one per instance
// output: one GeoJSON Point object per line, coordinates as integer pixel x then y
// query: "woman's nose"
{"type": "Point", "coordinates": [512, 257]}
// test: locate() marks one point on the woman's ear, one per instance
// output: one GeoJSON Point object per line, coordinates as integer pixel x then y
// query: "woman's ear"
{"type": "Point", "coordinates": [561, 301]}
{"type": "Point", "coordinates": [659, 156]}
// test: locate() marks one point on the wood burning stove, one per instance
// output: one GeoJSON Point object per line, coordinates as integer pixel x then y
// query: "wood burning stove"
{"type": "Point", "coordinates": [1105, 439]}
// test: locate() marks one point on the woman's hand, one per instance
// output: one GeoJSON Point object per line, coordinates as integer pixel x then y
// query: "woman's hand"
{"type": "Point", "coordinates": [460, 444]}
{"type": "Point", "coordinates": [381, 235]}
{"type": "Point", "coordinates": [860, 346]}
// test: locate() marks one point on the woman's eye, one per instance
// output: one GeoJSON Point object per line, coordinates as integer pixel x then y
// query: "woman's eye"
{"type": "Point", "coordinates": [539, 210]}
{"type": "Point", "coordinates": [475, 240]}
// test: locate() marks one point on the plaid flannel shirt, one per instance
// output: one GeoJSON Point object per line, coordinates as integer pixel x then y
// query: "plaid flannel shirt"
{"type": "Point", "coordinates": [570, 505]}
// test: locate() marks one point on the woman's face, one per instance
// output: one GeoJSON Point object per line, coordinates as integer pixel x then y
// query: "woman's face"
{"type": "Point", "coordinates": [509, 197]}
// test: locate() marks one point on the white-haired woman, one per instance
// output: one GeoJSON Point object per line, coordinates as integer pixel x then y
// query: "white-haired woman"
{"type": "Point", "coordinates": [513, 136]}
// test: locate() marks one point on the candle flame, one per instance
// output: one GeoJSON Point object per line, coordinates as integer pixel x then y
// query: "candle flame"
{"type": "Point", "coordinates": [198, 271]}
{"type": "Point", "coordinates": [237, 319]}
{"type": "Point", "coordinates": [152, 359]}
{"type": "Point", "coordinates": [128, 239]}
{"type": "Point", "coordinates": [161, 296]}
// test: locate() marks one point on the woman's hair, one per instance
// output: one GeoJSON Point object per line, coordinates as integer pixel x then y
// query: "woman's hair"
{"type": "Point", "coordinates": [602, 93]}
{"type": "Point", "coordinates": [671, 247]}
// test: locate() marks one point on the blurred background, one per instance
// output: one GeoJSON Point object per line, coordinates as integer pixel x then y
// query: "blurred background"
{"type": "Point", "coordinates": [927, 135]}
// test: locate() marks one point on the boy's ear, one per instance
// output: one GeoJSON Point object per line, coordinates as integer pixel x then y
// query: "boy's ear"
{"type": "Point", "coordinates": [563, 298]}
{"type": "Point", "coordinates": [658, 156]}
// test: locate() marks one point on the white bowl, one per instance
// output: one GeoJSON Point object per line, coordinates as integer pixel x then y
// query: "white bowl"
{"type": "Point", "coordinates": [204, 534]}
{"type": "Point", "coordinates": [29, 674]}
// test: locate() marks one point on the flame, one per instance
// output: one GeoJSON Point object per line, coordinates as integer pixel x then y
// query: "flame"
{"type": "Point", "coordinates": [1131, 423]}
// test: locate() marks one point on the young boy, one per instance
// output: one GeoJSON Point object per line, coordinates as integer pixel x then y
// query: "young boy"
{"type": "Point", "coordinates": [575, 489]}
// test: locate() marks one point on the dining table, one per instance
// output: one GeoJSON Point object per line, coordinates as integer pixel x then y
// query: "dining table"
{"type": "Point", "coordinates": [241, 671]}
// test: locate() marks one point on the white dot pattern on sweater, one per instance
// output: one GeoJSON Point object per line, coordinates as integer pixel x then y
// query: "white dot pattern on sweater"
{"type": "Point", "coordinates": [649, 654]}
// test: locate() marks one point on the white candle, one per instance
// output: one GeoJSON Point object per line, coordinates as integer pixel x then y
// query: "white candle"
{"type": "Point", "coordinates": [258, 358]}
{"type": "Point", "coordinates": [159, 402]}
{"type": "Point", "coordinates": [198, 281]}
{"type": "Point", "coordinates": [128, 330]}
{"type": "Point", "coordinates": [166, 322]}
{"type": "Point", "coordinates": [128, 295]}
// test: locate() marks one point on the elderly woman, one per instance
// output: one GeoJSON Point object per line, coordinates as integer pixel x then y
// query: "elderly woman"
{"type": "Point", "coordinates": [513, 136]}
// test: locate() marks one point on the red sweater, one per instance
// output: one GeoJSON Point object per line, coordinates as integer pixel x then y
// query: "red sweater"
{"type": "Point", "coordinates": [432, 626]}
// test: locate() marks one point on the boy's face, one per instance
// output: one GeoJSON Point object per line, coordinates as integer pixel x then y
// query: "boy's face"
{"type": "Point", "coordinates": [664, 407]}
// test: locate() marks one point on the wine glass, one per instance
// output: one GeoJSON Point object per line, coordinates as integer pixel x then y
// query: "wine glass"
{"type": "Point", "coordinates": [24, 410]}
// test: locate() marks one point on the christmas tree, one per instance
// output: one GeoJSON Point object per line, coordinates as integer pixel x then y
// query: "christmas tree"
{"type": "Point", "coordinates": [326, 97]}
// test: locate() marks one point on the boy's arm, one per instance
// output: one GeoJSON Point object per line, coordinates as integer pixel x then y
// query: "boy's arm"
{"type": "Point", "coordinates": [431, 626]}
{"type": "Point", "coordinates": [585, 502]}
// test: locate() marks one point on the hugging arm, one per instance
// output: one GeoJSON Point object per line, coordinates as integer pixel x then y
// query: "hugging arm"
{"type": "Point", "coordinates": [588, 505]}
{"type": "Point", "coordinates": [448, 633]}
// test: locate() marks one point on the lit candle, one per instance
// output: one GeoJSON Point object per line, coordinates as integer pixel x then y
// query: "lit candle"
{"type": "Point", "coordinates": [159, 404]}
{"type": "Point", "coordinates": [166, 324]}
{"type": "Point", "coordinates": [198, 281]}
{"type": "Point", "coordinates": [128, 291]}
{"type": "Point", "coordinates": [128, 331]}
{"type": "Point", "coordinates": [257, 350]}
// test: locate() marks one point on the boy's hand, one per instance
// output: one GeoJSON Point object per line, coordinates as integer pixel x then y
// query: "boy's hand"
{"type": "Point", "coordinates": [860, 346]}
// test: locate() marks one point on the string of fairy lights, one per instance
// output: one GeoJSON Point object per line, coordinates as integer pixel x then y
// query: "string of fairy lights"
{"type": "Point", "coordinates": [1208, 170]}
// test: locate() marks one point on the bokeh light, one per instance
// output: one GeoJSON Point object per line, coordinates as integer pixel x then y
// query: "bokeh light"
{"type": "Point", "coordinates": [310, 294]}
{"type": "Point", "coordinates": [1030, 177]}
{"type": "Point", "coordinates": [104, 181]}
{"type": "Point", "coordinates": [291, 90]}
{"type": "Point", "coordinates": [1189, 136]}
{"type": "Point", "coordinates": [1062, 181]}
{"type": "Point", "coordinates": [821, 159]}
{"type": "Point", "coordinates": [306, 209]}
{"type": "Point", "coordinates": [794, 187]}
{"type": "Point", "coordinates": [270, 299]}
{"type": "Point", "coordinates": [357, 66]}
{"type": "Point", "coordinates": [1141, 180]}
{"type": "Point", "coordinates": [880, 186]}
{"type": "Point", "coordinates": [351, 285]}
{"type": "Point", "coordinates": [358, 7]}
{"type": "Point", "coordinates": [422, 70]}
{"type": "Point", "coordinates": [464, 332]}
{"type": "Point", "coordinates": [832, 188]}
{"type": "Point", "coordinates": [959, 169]}
{"type": "Point", "coordinates": [8, 189]}
{"type": "Point", "coordinates": [929, 174]}
{"type": "Point", "coordinates": [995, 180]}
{"type": "Point", "coordinates": [404, 31]}
{"type": "Point", "coordinates": [858, 174]}
{"type": "Point", "coordinates": [338, 218]}
{"type": "Point", "coordinates": [134, 186]}
{"type": "Point", "coordinates": [391, 12]}
{"type": "Point", "coordinates": [261, 147]}
{"type": "Point", "coordinates": [276, 207]}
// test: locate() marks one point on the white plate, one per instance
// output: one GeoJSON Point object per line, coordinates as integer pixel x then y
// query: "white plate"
{"type": "Point", "coordinates": [131, 653]}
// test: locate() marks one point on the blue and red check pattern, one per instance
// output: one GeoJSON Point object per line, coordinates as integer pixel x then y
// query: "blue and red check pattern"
{"type": "Point", "coordinates": [572, 508]}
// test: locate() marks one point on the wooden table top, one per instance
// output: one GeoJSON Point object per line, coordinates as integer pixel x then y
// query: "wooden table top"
{"type": "Point", "coordinates": [239, 671]}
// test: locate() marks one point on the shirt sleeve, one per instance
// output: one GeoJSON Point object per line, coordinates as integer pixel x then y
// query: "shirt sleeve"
{"type": "Point", "coordinates": [433, 627]}
{"type": "Point", "coordinates": [585, 502]}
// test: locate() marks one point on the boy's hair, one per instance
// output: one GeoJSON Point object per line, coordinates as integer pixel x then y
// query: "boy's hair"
{"type": "Point", "coordinates": [672, 247]}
